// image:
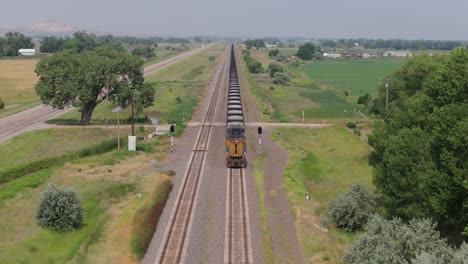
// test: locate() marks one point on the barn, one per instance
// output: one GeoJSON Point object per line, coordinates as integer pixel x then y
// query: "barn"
{"type": "Point", "coordinates": [27, 52]}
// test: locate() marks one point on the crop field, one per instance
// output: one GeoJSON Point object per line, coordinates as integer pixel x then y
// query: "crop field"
{"type": "Point", "coordinates": [17, 80]}
{"type": "Point", "coordinates": [357, 76]}
{"type": "Point", "coordinates": [322, 163]}
{"type": "Point", "coordinates": [108, 184]}
{"type": "Point", "coordinates": [178, 90]}
{"type": "Point", "coordinates": [317, 88]}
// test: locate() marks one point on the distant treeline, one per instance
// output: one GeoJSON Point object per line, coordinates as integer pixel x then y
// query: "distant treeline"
{"type": "Point", "coordinates": [86, 41]}
{"type": "Point", "coordinates": [12, 42]}
{"type": "Point", "coordinates": [397, 44]}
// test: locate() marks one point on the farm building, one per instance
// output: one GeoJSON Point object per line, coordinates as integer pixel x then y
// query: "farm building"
{"type": "Point", "coordinates": [332, 55]}
{"type": "Point", "coordinates": [27, 52]}
{"type": "Point", "coordinates": [399, 53]}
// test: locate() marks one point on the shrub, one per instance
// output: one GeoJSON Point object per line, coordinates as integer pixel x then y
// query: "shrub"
{"type": "Point", "coordinates": [178, 100]}
{"type": "Point", "coordinates": [364, 99]}
{"type": "Point", "coordinates": [351, 125]}
{"type": "Point", "coordinates": [346, 93]}
{"type": "Point", "coordinates": [274, 68]}
{"type": "Point", "coordinates": [60, 209]}
{"type": "Point", "coordinates": [254, 66]}
{"type": "Point", "coordinates": [350, 210]}
{"type": "Point", "coordinates": [211, 58]}
{"type": "Point", "coordinates": [273, 53]}
{"type": "Point", "coordinates": [281, 79]}
{"type": "Point", "coordinates": [2, 104]}
{"type": "Point", "coordinates": [392, 241]}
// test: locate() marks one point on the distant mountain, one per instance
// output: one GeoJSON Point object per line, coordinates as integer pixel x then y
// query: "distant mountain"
{"type": "Point", "coordinates": [53, 27]}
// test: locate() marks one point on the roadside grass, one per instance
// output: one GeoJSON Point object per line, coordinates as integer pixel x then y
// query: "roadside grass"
{"type": "Point", "coordinates": [17, 80]}
{"type": "Point", "coordinates": [108, 184]}
{"type": "Point", "coordinates": [322, 163]}
{"type": "Point", "coordinates": [357, 76]}
{"type": "Point", "coordinates": [48, 143]}
{"type": "Point", "coordinates": [145, 219]}
{"type": "Point", "coordinates": [259, 168]}
{"type": "Point", "coordinates": [186, 80]}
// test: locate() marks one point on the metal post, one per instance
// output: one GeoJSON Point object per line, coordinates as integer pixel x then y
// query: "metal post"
{"type": "Point", "coordinates": [118, 130]}
{"type": "Point", "coordinates": [133, 116]}
{"type": "Point", "coordinates": [303, 116]}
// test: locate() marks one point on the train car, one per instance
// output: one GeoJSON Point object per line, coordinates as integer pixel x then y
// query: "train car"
{"type": "Point", "coordinates": [236, 147]}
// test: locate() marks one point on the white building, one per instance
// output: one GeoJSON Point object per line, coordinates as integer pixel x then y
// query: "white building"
{"type": "Point", "coordinates": [332, 55]}
{"type": "Point", "coordinates": [399, 53]}
{"type": "Point", "coordinates": [27, 52]}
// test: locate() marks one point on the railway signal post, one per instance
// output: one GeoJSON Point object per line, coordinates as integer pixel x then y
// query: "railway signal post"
{"type": "Point", "coordinates": [259, 130]}
{"type": "Point", "coordinates": [172, 138]}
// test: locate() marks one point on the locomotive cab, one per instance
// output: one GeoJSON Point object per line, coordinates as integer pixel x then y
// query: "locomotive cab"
{"type": "Point", "coordinates": [236, 146]}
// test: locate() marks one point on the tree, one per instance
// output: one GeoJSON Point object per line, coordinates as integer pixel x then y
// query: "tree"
{"type": "Point", "coordinates": [274, 68]}
{"type": "Point", "coordinates": [85, 79]}
{"type": "Point", "coordinates": [197, 39]}
{"type": "Point", "coordinates": [52, 44]}
{"type": "Point", "coordinates": [15, 41]}
{"type": "Point", "coordinates": [60, 209]}
{"type": "Point", "coordinates": [280, 78]}
{"type": "Point", "coordinates": [273, 53]}
{"type": "Point", "coordinates": [393, 241]}
{"type": "Point", "coordinates": [2, 104]}
{"type": "Point", "coordinates": [420, 146]}
{"type": "Point", "coordinates": [350, 210]}
{"type": "Point", "coordinates": [308, 51]}
{"type": "Point", "coordinates": [256, 43]}
{"type": "Point", "coordinates": [146, 52]}
{"type": "Point", "coordinates": [254, 66]}
{"type": "Point", "coordinates": [82, 41]}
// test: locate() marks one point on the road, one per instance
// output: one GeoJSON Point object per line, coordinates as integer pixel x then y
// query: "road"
{"type": "Point", "coordinates": [34, 118]}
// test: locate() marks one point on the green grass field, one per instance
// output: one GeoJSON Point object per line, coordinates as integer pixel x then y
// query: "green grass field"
{"type": "Point", "coordinates": [357, 76]}
{"type": "Point", "coordinates": [108, 184]}
{"type": "Point", "coordinates": [17, 80]}
{"type": "Point", "coordinates": [186, 80]}
{"type": "Point", "coordinates": [286, 52]}
{"type": "Point", "coordinates": [317, 88]}
{"type": "Point", "coordinates": [48, 143]}
{"type": "Point", "coordinates": [322, 163]}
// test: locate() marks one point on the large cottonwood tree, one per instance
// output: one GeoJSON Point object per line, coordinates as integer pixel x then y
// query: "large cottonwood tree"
{"type": "Point", "coordinates": [85, 79]}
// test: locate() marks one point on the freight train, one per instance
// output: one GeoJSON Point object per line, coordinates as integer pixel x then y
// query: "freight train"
{"type": "Point", "coordinates": [236, 147]}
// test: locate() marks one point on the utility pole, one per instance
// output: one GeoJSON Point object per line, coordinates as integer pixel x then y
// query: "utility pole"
{"type": "Point", "coordinates": [386, 96]}
{"type": "Point", "coordinates": [133, 115]}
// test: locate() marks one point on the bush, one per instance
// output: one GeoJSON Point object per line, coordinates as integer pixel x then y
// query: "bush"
{"type": "Point", "coordinates": [351, 210]}
{"type": "Point", "coordinates": [273, 53]}
{"type": "Point", "coordinates": [60, 209]}
{"type": "Point", "coordinates": [351, 125]}
{"type": "Point", "coordinates": [274, 68]}
{"type": "Point", "coordinates": [364, 99]}
{"type": "Point", "coordinates": [392, 241]}
{"type": "Point", "coordinates": [281, 79]}
{"type": "Point", "coordinates": [2, 104]}
{"type": "Point", "coordinates": [211, 58]}
{"type": "Point", "coordinates": [254, 66]}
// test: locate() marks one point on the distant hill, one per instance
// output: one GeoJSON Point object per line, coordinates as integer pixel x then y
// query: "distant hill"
{"type": "Point", "coordinates": [53, 26]}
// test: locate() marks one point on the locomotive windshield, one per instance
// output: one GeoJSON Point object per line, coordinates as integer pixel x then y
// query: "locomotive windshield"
{"type": "Point", "coordinates": [235, 132]}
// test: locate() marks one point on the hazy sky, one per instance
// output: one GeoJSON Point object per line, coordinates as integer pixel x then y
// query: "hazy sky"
{"type": "Point", "coordinates": [408, 19]}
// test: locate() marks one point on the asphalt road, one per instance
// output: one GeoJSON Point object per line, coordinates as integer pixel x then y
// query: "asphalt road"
{"type": "Point", "coordinates": [34, 118]}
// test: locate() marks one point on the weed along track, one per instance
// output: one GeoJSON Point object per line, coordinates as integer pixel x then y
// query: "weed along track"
{"type": "Point", "coordinates": [173, 247]}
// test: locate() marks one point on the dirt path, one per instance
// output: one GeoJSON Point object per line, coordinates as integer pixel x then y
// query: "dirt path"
{"type": "Point", "coordinates": [285, 245]}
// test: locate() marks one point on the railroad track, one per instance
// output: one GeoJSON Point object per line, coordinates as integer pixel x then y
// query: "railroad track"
{"type": "Point", "coordinates": [174, 240]}
{"type": "Point", "coordinates": [237, 243]}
